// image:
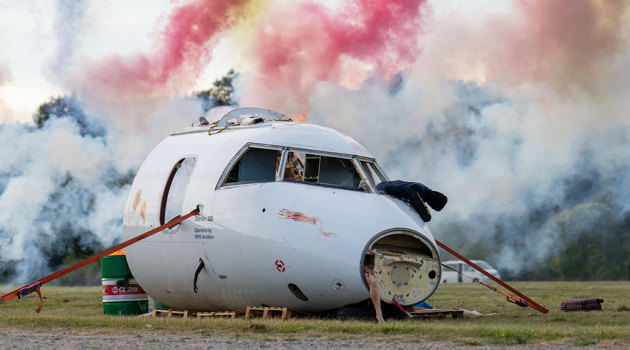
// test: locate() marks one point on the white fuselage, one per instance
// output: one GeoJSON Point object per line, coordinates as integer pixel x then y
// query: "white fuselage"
{"type": "Point", "coordinates": [251, 250]}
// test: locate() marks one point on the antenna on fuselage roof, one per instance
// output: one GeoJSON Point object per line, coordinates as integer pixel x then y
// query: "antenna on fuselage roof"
{"type": "Point", "coordinates": [235, 117]}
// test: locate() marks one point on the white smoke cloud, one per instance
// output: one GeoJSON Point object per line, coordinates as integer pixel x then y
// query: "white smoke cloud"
{"type": "Point", "coordinates": [63, 187]}
{"type": "Point", "coordinates": [69, 24]}
{"type": "Point", "coordinates": [5, 78]}
{"type": "Point", "coordinates": [136, 125]}
{"type": "Point", "coordinates": [57, 184]}
{"type": "Point", "coordinates": [506, 145]}
{"type": "Point", "coordinates": [505, 153]}
{"type": "Point", "coordinates": [35, 168]}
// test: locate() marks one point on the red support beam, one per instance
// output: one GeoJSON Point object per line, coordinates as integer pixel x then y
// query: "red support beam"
{"type": "Point", "coordinates": [529, 301]}
{"type": "Point", "coordinates": [96, 257]}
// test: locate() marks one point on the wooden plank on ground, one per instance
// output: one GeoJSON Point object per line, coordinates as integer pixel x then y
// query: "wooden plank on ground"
{"type": "Point", "coordinates": [221, 314]}
{"type": "Point", "coordinates": [437, 313]}
{"type": "Point", "coordinates": [157, 312]}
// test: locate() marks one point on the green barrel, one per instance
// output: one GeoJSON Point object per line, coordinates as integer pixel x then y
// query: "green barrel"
{"type": "Point", "coordinates": [158, 305]}
{"type": "Point", "coordinates": [121, 294]}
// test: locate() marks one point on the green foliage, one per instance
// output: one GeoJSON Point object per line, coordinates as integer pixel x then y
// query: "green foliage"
{"type": "Point", "coordinates": [221, 92]}
{"type": "Point", "coordinates": [591, 245]}
{"type": "Point", "coordinates": [66, 107]}
{"type": "Point", "coordinates": [586, 241]}
{"type": "Point", "coordinates": [56, 105]}
{"type": "Point", "coordinates": [89, 275]}
{"type": "Point", "coordinates": [118, 180]}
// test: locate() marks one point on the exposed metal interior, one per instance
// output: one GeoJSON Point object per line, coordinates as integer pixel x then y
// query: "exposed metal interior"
{"type": "Point", "coordinates": [406, 267]}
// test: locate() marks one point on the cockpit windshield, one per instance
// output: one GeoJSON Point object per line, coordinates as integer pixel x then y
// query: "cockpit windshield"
{"type": "Point", "coordinates": [267, 163]}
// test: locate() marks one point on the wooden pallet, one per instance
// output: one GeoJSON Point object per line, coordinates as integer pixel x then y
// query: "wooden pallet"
{"type": "Point", "coordinates": [266, 311]}
{"type": "Point", "coordinates": [436, 313]}
{"type": "Point", "coordinates": [222, 314]}
{"type": "Point", "coordinates": [157, 312]}
{"type": "Point", "coordinates": [170, 313]}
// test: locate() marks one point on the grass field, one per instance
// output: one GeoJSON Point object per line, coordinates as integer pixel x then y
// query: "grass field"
{"type": "Point", "coordinates": [79, 309]}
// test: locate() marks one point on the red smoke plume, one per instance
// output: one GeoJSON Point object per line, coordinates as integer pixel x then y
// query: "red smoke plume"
{"type": "Point", "coordinates": [297, 45]}
{"type": "Point", "coordinates": [178, 57]}
{"type": "Point", "coordinates": [567, 44]}
{"type": "Point", "coordinates": [301, 44]}
{"type": "Point", "coordinates": [566, 40]}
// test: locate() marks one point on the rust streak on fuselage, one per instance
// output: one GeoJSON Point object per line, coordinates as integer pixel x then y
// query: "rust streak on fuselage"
{"type": "Point", "coordinates": [143, 212]}
{"type": "Point", "coordinates": [136, 201]}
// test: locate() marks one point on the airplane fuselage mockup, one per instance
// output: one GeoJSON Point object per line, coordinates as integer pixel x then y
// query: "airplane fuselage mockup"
{"type": "Point", "coordinates": [289, 216]}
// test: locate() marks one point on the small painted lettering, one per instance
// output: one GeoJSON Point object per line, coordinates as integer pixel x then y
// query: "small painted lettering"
{"type": "Point", "coordinates": [203, 233]}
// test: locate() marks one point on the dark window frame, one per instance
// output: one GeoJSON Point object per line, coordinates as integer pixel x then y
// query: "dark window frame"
{"type": "Point", "coordinates": [236, 159]}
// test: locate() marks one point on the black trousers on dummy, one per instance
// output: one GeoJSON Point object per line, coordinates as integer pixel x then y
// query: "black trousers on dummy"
{"type": "Point", "coordinates": [416, 194]}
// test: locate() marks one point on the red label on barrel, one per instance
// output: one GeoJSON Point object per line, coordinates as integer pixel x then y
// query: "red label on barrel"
{"type": "Point", "coordinates": [128, 289]}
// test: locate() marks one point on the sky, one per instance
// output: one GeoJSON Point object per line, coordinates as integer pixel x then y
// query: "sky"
{"type": "Point", "coordinates": [516, 110]}
{"type": "Point", "coordinates": [28, 40]}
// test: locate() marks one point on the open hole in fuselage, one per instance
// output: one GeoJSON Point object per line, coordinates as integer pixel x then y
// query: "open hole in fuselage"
{"type": "Point", "coordinates": [405, 267]}
{"type": "Point", "coordinates": [297, 292]}
{"type": "Point", "coordinates": [175, 189]}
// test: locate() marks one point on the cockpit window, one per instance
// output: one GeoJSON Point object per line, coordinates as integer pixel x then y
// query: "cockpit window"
{"type": "Point", "coordinates": [372, 172]}
{"type": "Point", "coordinates": [368, 173]}
{"type": "Point", "coordinates": [269, 163]}
{"type": "Point", "coordinates": [256, 165]}
{"type": "Point", "coordinates": [319, 169]}
{"type": "Point", "coordinates": [294, 169]}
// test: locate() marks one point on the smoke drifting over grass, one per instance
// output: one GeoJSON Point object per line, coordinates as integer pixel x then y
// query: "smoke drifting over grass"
{"type": "Point", "coordinates": [519, 117]}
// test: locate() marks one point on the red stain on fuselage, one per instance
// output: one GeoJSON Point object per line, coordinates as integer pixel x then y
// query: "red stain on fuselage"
{"type": "Point", "coordinates": [300, 217]}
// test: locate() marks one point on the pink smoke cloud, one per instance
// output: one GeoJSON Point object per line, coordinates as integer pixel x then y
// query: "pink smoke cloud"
{"type": "Point", "coordinates": [304, 43]}
{"type": "Point", "coordinates": [179, 56]}
{"type": "Point", "coordinates": [566, 40]}
{"type": "Point", "coordinates": [297, 45]}
{"type": "Point", "coordinates": [567, 44]}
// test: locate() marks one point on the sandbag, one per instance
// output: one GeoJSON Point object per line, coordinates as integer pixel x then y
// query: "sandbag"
{"type": "Point", "coordinates": [581, 305]}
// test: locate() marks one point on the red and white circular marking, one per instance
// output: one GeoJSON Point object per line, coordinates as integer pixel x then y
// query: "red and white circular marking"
{"type": "Point", "coordinates": [280, 266]}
